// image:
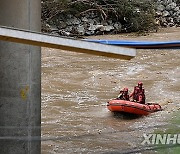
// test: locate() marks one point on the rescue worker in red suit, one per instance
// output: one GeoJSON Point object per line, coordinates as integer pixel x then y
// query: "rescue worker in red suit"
{"type": "Point", "coordinates": [124, 94]}
{"type": "Point", "coordinates": [138, 94]}
{"type": "Point", "coordinates": [134, 94]}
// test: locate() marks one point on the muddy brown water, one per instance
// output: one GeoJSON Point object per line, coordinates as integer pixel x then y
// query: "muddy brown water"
{"type": "Point", "coordinates": [76, 87]}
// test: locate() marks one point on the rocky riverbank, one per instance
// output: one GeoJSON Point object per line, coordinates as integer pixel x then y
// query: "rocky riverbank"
{"type": "Point", "coordinates": [167, 14]}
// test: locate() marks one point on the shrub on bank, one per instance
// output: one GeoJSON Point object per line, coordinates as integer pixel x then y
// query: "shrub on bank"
{"type": "Point", "coordinates": [133, 15]}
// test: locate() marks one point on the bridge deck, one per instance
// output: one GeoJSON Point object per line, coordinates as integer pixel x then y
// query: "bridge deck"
{"type": "Point", "coordinates": [45, 40]}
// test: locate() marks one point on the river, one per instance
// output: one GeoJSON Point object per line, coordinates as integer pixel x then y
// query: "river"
{"type": "Point", "coordinates": [76, 87]}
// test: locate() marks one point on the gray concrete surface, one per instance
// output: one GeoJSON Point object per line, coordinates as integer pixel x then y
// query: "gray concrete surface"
{"type": "Point", "coordinates": [81, 46]}
{"type": "Point", "coordinates": [20, 87]}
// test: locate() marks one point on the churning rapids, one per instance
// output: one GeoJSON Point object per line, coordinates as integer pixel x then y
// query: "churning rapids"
{"type": "Point", "coordinates": [76, 87]}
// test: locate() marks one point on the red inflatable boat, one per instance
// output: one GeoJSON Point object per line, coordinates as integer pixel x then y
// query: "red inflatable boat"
{"type": "Point", "coordinates": [132, 107]}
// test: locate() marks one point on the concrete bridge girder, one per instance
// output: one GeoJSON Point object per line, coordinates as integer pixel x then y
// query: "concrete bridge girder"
{"type": "Point", "coordinates": [20, 86]}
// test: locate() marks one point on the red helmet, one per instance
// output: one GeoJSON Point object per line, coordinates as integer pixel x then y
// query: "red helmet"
{"type": "Point", "coordinates": [140, 83]}
{"type": "Point", "coordinates": [125, 89]}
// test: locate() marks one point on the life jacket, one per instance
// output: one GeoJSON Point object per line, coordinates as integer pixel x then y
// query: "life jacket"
{"type": "Point", "coordinates": [141, 91]}
{"type": "Point", "coordinates": [141, 96]}
{"type": "Point", "coordinates": [135, 93]}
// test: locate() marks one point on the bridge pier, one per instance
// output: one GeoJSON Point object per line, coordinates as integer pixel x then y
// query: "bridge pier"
{"type": "Point", "coordinates": [20, 86]}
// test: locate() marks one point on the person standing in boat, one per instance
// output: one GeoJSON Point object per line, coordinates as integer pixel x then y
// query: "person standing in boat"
{"type": "Point", "coordinates": [141, 93]}
{"type": "Point", "coordinates": [138, 94]}
{"type": "Point", "coordinates": [123, 95]}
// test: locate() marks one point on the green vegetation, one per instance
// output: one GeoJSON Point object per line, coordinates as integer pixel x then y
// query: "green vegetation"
{"type": "Point", "coordinates": [134, 15]}
{"type": "Point", "coordinates": [172, 129]}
